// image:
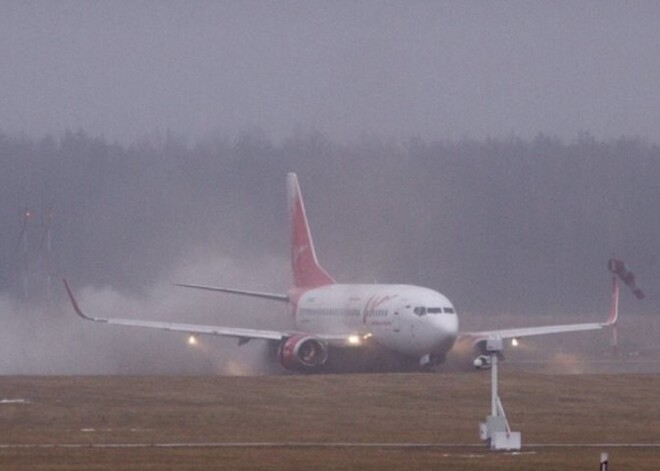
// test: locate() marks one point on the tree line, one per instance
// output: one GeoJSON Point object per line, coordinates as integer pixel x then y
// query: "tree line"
{"type": "Point", "coordinates": [499, 225]}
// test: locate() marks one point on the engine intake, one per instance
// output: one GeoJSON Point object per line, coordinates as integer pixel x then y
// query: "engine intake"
{"type": "Point", "coordinates": [303, 353]}
{"type": "Point", "coordinates": [484, 349]}
{"type": "Point", "coordinates": [482, 362]}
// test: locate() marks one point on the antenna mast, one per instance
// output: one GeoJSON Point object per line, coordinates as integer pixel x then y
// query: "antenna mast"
{"type": "Point", "coordinates": [46, 241]}
{"type": "Point", "coordinates": [23, 246]}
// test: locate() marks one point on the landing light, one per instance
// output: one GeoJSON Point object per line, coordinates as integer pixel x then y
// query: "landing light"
{"type": "Point", "coordinates": [367, 336]}
{"type": "Point", "coordinates": [192, 340]}
{"type": "Point", "coordinates": [514, 342]}
{"type": "Point", "coordinates": [354, 340]}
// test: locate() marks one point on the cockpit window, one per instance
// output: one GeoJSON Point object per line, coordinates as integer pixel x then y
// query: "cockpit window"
{"type": "Point", "coordinates": [420, 311]}
{"type": "Point", "coordinates": [450, 310]}
{"type": "Point", "coordinates": [434, 310]}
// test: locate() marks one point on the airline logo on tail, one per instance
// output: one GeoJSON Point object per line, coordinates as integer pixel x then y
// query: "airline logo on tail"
{"type": "Point", "coordinates": [307, 273]}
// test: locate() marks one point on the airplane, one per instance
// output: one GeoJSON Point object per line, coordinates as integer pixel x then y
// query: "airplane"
{"type": "Point", "coordinates": [356, 327]}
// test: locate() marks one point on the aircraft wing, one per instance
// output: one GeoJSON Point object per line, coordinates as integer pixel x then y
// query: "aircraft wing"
{"type": "Point", "coordinates": [551, 329]}
{"type": "Point", "coordinates": [176, 327]}
{"type": "Point", "coordinates": [534, 331]}
{"type": "Point", "coordinates": [242, 334]}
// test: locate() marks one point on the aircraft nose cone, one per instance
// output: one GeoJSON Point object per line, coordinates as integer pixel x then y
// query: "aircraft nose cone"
{"type": "Point", "coordinates": [447, 326]}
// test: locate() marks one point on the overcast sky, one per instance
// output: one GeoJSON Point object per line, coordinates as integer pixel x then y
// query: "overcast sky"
{"type": "Point", "coordinates": [129, 69]}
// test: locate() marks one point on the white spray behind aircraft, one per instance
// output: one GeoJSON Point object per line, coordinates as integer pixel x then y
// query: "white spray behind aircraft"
{"type": "Point", "coordinates": [356, 327]}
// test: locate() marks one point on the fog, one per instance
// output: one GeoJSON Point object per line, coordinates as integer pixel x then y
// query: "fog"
{"type": "Point", "coordinates": [47, 338]}
{"type": "Point", "coordinates": [126, 69]}
{"type": "Point", "coordinates": [509, 229]}
{"type": "Point", "coordinates": [498, 152]}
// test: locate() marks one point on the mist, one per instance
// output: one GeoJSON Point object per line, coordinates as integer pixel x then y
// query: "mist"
{"type": "Point", "coordinates": [498, 152]}
{"type": "Point", "coordinates": [48, 338]}
{"type": "Point", "coordinates": [437, 70]}
{"type": "Point", "coordinates": [506, 227]}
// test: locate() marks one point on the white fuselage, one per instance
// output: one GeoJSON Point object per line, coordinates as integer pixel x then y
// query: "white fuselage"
{"type": "Point", "coordinates": [411, 320]}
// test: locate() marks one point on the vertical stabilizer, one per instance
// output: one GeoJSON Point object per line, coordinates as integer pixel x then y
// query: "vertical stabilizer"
{"type": "Point", "coordinates": [307, 273]}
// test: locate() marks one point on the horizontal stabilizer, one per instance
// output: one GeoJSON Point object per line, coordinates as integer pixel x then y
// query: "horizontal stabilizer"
{"type": "Point", "coordinates": [255, 294]}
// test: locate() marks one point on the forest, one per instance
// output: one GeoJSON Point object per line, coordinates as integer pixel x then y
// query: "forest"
{"type": "Point", "coordinates": [503, 225]}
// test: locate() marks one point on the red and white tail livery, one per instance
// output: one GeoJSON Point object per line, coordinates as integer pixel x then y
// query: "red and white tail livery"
{"type": "Point", "coordinates": [307, 273]}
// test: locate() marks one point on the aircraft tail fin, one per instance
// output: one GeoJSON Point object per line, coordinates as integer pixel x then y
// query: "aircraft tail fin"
{"type": "Point", "coordinates": [307, 273]}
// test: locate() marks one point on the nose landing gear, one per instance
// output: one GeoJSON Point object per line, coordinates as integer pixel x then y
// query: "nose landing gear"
{"type": "Point", "coordinates": [429, 362]}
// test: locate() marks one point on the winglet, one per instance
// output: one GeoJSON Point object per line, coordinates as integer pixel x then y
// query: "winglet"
{"type": "Point", "coordinates": [614, 307]}
{"type": "Point", "coordinates": [74, 303]}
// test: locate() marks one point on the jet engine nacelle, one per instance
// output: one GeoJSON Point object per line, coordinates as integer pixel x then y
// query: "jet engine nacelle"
{"type": "Point", "coordinates": [303, 353]}
{"type": "Point", "coordinates": [482, 362]}
{"type": "Point", "coordinates": [484, 349]}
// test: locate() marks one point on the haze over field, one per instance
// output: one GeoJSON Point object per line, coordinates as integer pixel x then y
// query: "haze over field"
{"type": "Point", "coordinates": [126, 69]}
{"type": "Point", "coordinates": [498, 152]}
{"type": "Point", "coordinates": [501, 227]}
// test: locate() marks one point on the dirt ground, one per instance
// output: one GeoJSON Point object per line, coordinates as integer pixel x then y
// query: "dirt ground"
{"type": "Point", "coordinates": [119, 422]}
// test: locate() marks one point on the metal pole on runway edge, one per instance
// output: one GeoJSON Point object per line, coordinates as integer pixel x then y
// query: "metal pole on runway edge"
{"type": "Point", "coordinates": [604, 461]}
{"type": "Point", "coordinates": [496, 431]}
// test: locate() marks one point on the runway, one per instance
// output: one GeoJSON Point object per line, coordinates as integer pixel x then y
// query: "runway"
{"type": "Point", "coordinates": [325, 422]}
{"type": "Point", "coordinates": [299, 445]}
